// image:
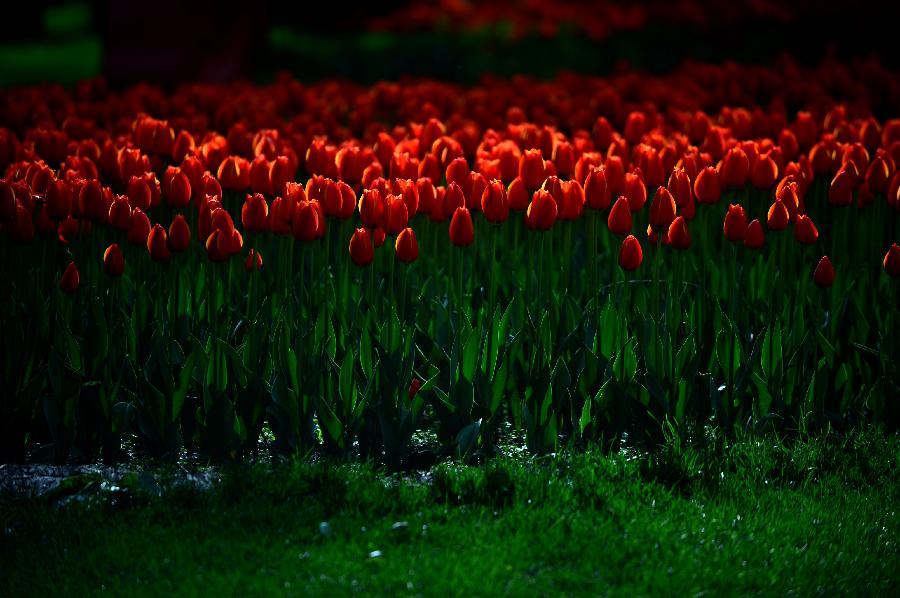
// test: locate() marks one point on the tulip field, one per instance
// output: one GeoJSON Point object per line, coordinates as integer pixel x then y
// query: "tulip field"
{"type": "Point", "coordinates": [224, 270]}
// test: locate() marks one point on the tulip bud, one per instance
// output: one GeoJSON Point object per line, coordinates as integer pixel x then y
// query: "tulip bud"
{"type": "Point", "coordinates": [630, 254]}
{"type": "Point", "coordinates": [120, 213]}
{"type": "Point", "coordinates": [378, 236]}
{"type": "Point", "coordinates": [517, 195]}
{"type": "Point", "coordinates": [414, 387]}
{"type": "Point", "coordinates": [462, 232]}
{"type": "Point", "coordinates": [255, 213]}
{"type": "Point", "coordinates": [493, 202]}
{"type": "Point", "coordinates": [735, 223]}
{"type": "Point", "coordinates": [371, 208]}
{"type": "Point", "coordinates": [805, 231]}
{"type": "Point", "coordinates": [306, 222]}
{"type": "Point", "coordinates": [824, 273]}
{"type": "Point", "coordinates": [113, 260]}
{"type": "Point", "coordinates": [680, 187]}
{"type": "Point", "coordinates": [457, 172]}
{"type": "Point", "coordinates": [281, 172]}
{"type": "Point", "coordinates": [735, 167]}
{"type": "Point", "coordinates": [778, 217]}
{"type": "Point", "coordinates": [597, 194]}
{"type": "Point", "coordinates": [157, 244]}
{"type": "Point", "coordinates": [764, 172]}
{"type": "Point", "coordinates": [179, 190]}
{"type": "Point", "coordinates": [542, 211]}
{"type": "Point", "coordinates": [179, 234]}
{"type": "Point", "coordinates": [139, 230]}
{"type": "Point", "coordinates": [59, 200]}
{"type": "Point", "coordinates": [362, 251]}
{"type": "Point", "coordinates": [254, 261]}
{"type": "Point", "coordinates": [396, 215]}
{"type": "Point", "coordinates": [70, 279]}
{"type": "Point", "coordinates": [840, 193]}
{"type": "Point", "coordinates": [755, 237]}
{"type": "Point", "coordinates": [619, 220]}
{"type": "Point", "coordinates": [706, 186]}
{"type": "Point", "coordinates": [892, 260]}
{"type": "Point", "coordinates": [678, 234]}
{"type": "Point", "coordinates": [662, 209]}
{"type": "Point", "coordinates": [635, 191]}
{"type": "Point", "coordinates": [532, 169]}
{"type": "Point", "coordinates": [406, 245]}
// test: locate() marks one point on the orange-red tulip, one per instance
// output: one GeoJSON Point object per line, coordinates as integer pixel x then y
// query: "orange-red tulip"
{"type": "Point", "coordinates": [706, 186]}
{"type": "Point", "coordinates": [253, 261]}
{"type": "Point", "coordinates": [735, 167]}
{"type": "Point", "coordinates": [493, 202]}
{"type": "Point", "coordinates": [778, 216]}
{"type": "Point", "coordinates": [892, 260]}
{"type": "Point", "coordinates": [179, 190]}
{"type": "Point", "coordinates": [406, 245]}
{"type": "Point", "coordinates": [840, 193]}
{"type": "Point", "coordinates": [764, 172]}
{"type": "Point", "coordinates": [735, 223]}
{"type": "Point", "coordinates": [140, 228]}
{"type": "Point", "coordinates": [362, 252]}
{"type": "Point", "coordinates": [113, 260]}
{"type": "Point", "coordinates": [662, 209]}
{"type": "Point", "coordinates": [678, 234]}
{"type": "Point", "coordinates": [755, 237]}
{"type": "Point", "coordinates": [532, 169]}
{"type": "Point", "coordinates": [462, 232]}
{"type": "Point", "coordinates": [630, 254]}
{"type": "Point", "coordinates": [542, 211]}
{"type": "Point", "coordinates": [255, 213]}
{"type": "Point", "coordinates": [824, 273]}
{"type": "Point", "coordinates": [597, 193]}
{"type": "Point", "coordinates": [179, 234]}
{"type": "Point", "coordinates": [70, 279]}
{"type": "Point", "coordinates": [805, 231]}
{"type": "Point", "coordinates": [157, 244]}
{"type": "Point", "coordinates": [619, 220]}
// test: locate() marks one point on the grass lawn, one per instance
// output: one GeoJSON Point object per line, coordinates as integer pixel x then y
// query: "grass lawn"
{"type": "Point", "coordinates": [821, 516]}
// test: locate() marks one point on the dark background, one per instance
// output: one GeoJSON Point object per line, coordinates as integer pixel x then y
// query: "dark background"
{"type": "Point", "coordinates": [167, 42]}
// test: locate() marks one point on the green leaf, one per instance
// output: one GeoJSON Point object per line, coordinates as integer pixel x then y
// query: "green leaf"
{"type": "Point", "coordinates": [346, 379]}
{"type": "Point", "coordinates": [585, 419]}
{"type": "Point", "coordinates": [365, 353]}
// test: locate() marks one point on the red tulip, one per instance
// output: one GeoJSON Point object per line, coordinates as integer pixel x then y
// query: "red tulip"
{"type": "Point", "coordinates": [113, 260]}
{"type": "Point", "coordinates": [406, 189]}
{"type": "Point", "coordinates": [764, 172]}
{"type": "Point", "coordinates": [635, 191]}
{"type": "Point", "coordinates": [179, 190]}
{"type": "Point", "coordinates": [157, 244]}
{"type": "Point", "coordinates": [139, 230]}
{"type": "Point", "coordinates": [735, 167]}
{"type": "Point", "coordinates": [70, 279]}
{"type": "Point", "coordinates": [7, 201]}
{"type": "Point", "coordinates": [517, 195]}
{"type": "Point", "coordinates": [362, 251]}
{"type": "Point", "coordinates": [378, 236]}
{"type": "Point", "coordinates": [396, 215]}
{"type": "Point", "coordinates": [493, 202]}
{"type": "Point", "coordinates": [597, 193]}
{"type": "Point", "coordinates": [254, 260]}
{"type": "Point", "coordinates": [824, 273]}
{"type": "Point", "coordinates": [59, 200]}
{"type": "Point", "coordinates": [255, 213]}
{"type": "Point", "coordinates": [371, 208]}
{"type": "Point", "coordinates": [462, 232]}
{"type": "Point", "coordinates": [281, 172]}
{"type": "Point", "coordinates": [662, 209]}
{"type": "Point", "coordinates": [532, 169]}
{"type": "Point", "coordinates": [735, 223]}
{"type": "Point", "coordinates": [805, 231]}
{"type": "Point", "coordinates": [706, 186]}
{"type": "Point", "coordinates": [678, 234]}
{"type": "Point", "coordinates": [619, 220]}
{"type": "Point", "coordinates": [892, 260]}
{"type": "Point", "coordinates": [680, 187]}
{"type": "Point", "coordinates": [542, 211]}
{"type": "Point", "coordinates": [22, 225]}
{"type": "Point", "coordinates": [119, 214]}
{"type": "Point", "coordinates": [406, 245]}
{"type": "Point", "coordinates": [306, 222]}
{"type": "Point", "coordinates": [840, 193]}
{"type": "Point", "coordinates": [755, 238]}
{"type": "Point", "coordinates": [457, 172]}
{"type": "Point", "coordinates": [778, 216]}
{"type": "Point", "coordinates": [572, 205]}
{"type": "Point", "coordinates": [179, 234]}
{"type": "Point", "coordinates": [91, 202]}
{"type": "Point", "coordinates": [630, 254]}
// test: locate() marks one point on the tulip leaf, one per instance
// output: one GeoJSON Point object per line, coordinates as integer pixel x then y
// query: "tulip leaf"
{"type": "Point", "coordinates": [365, 353]}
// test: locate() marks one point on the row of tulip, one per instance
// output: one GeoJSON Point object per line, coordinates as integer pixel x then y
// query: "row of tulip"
{"type": "Point", "coordinates": [188, 290]}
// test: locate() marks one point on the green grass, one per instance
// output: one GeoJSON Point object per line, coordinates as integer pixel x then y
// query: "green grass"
{"type": "Point", "coordinates": [818, 517]}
